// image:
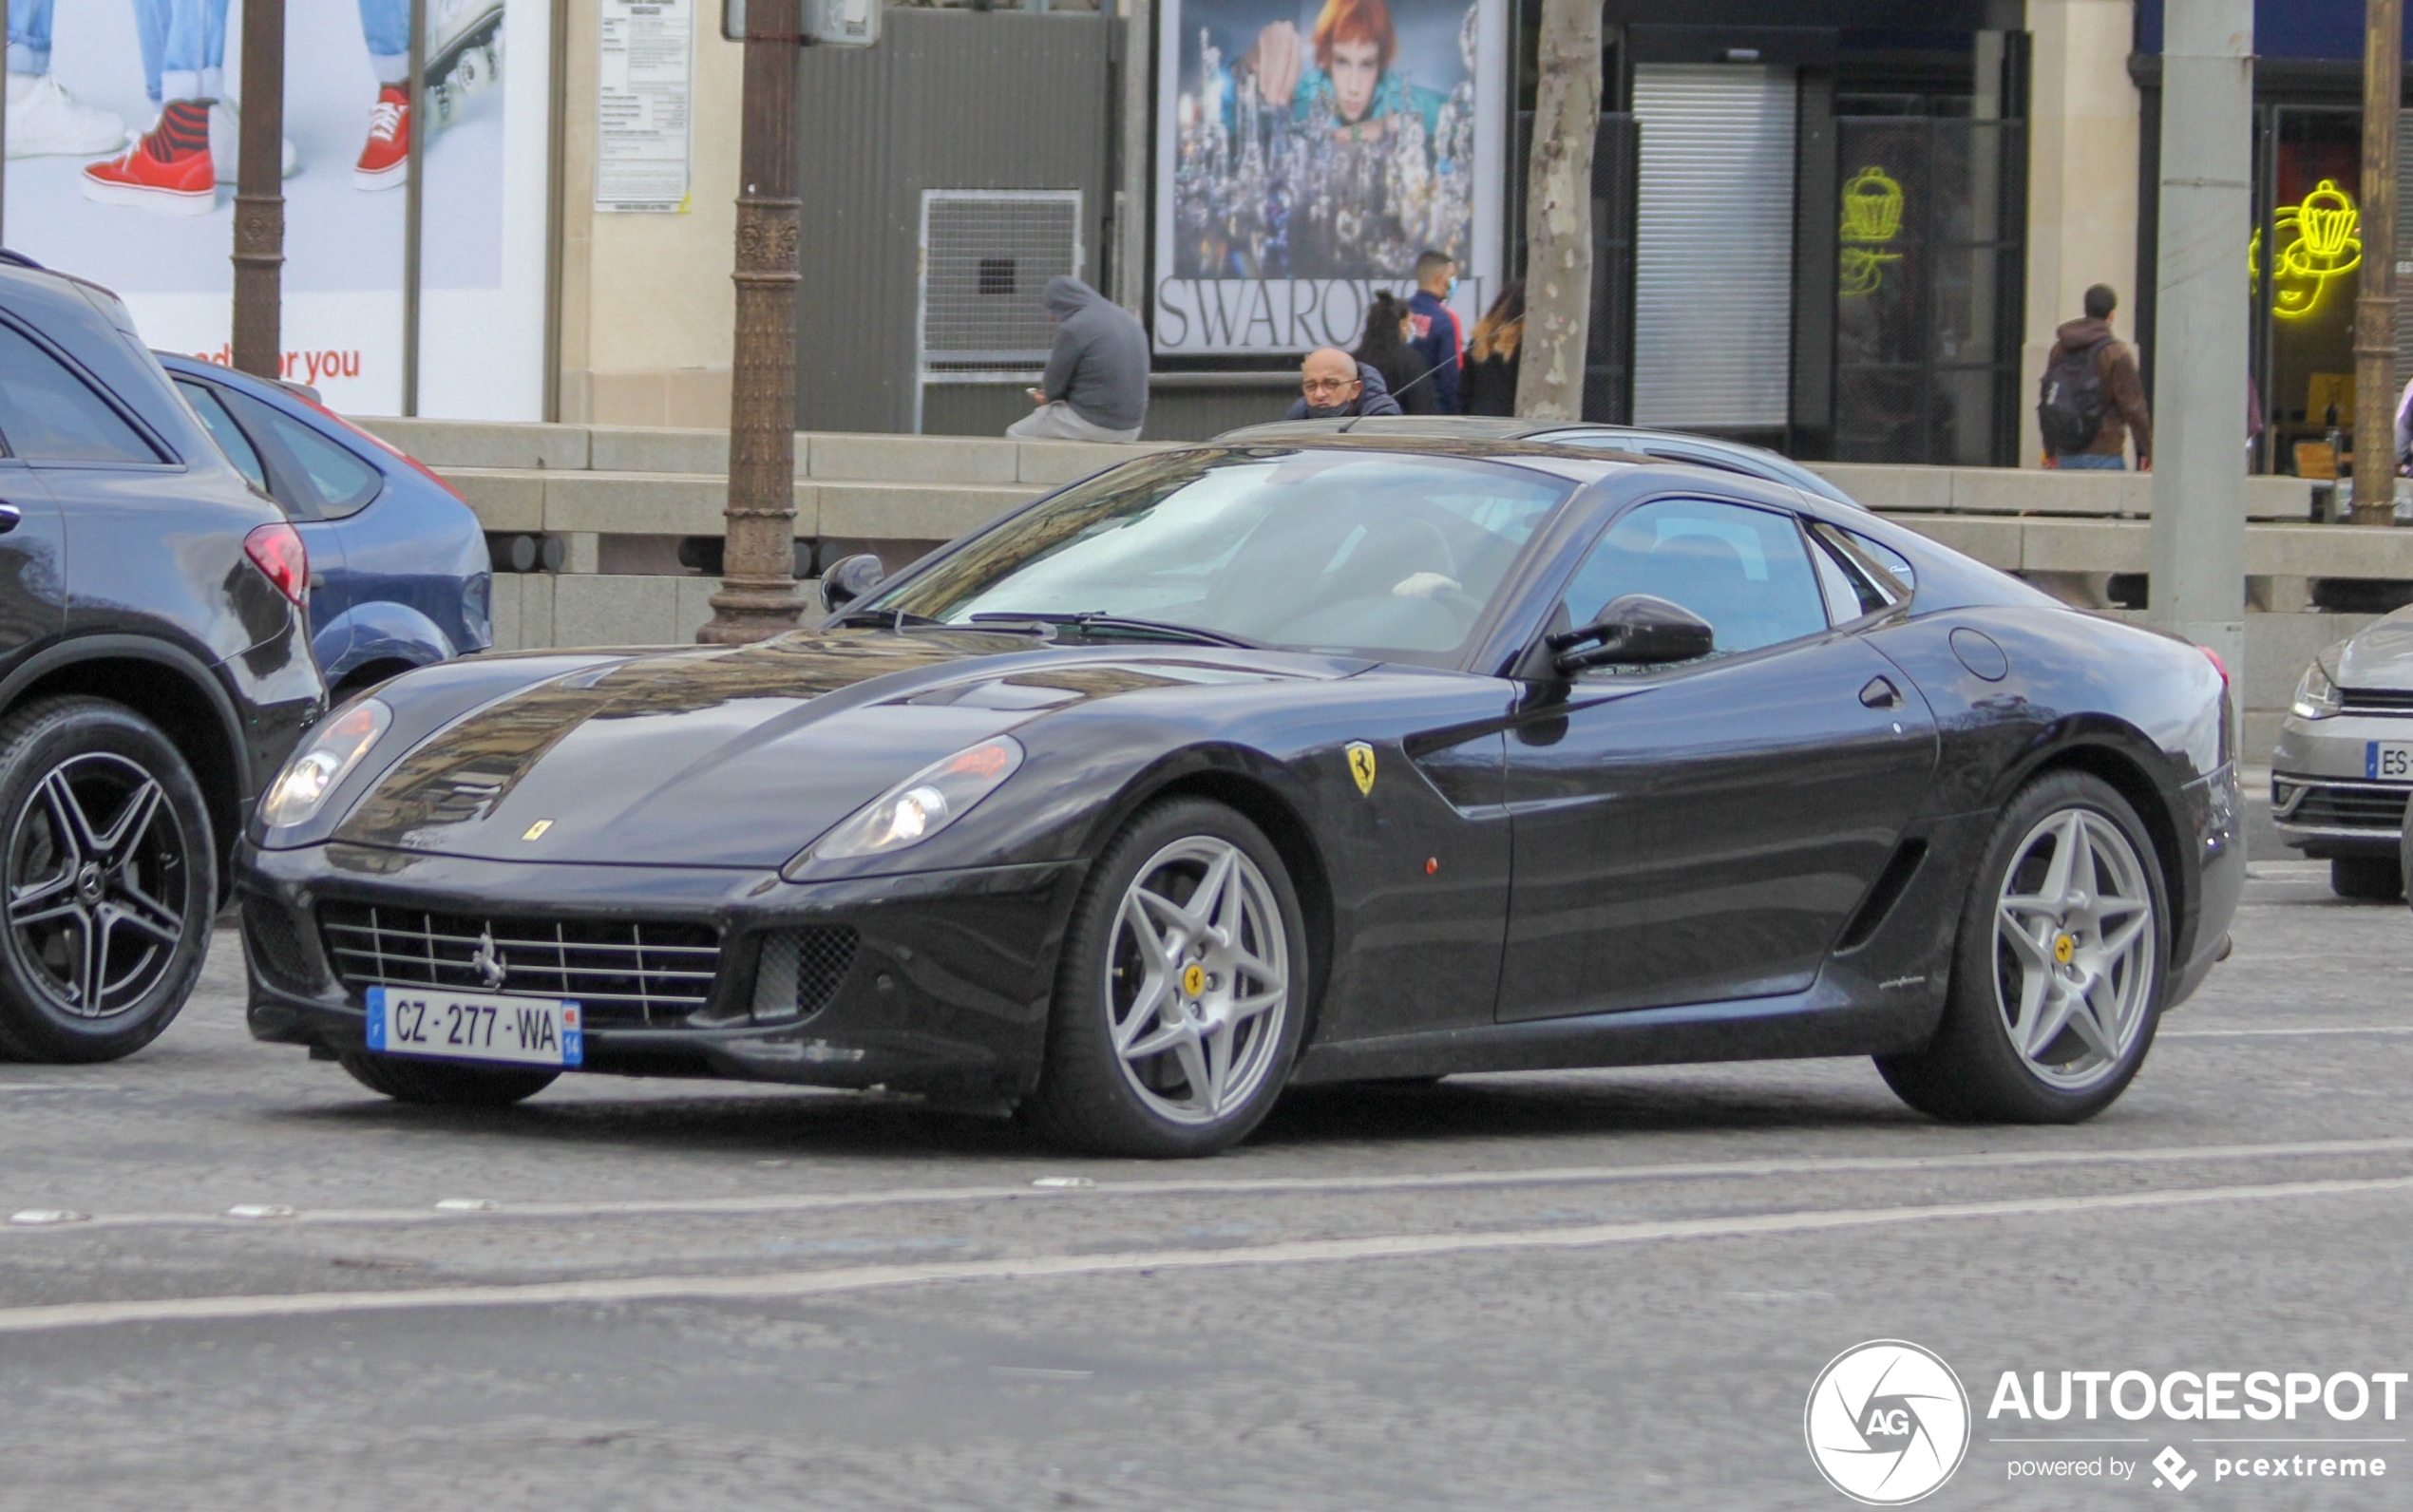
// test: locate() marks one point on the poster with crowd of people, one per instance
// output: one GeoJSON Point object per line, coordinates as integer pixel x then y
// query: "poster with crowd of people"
{"type": "Point", "coordinates": [124, 124]}
{"type": "Point", "coordinates": [1305, 157]}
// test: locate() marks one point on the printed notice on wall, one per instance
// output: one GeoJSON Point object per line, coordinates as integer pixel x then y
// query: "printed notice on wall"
{"type": "Point", "coordinates": [642, 105]}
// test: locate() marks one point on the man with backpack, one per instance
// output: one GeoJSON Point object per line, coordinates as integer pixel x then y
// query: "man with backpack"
{"type": "Point", "coordinates": [2091, 400]}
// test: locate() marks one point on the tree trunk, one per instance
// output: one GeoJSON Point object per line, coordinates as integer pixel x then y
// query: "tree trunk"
{"type": "Point", "coordinates": [1558, 215]}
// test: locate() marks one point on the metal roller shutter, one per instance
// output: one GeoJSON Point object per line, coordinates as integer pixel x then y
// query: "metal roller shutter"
{"type": "Point", "coordinates": [1713, 296]}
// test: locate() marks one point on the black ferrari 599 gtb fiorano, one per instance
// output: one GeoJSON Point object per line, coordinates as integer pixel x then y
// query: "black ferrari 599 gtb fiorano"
{"type": "Point", "coordinates": [1251, 766]}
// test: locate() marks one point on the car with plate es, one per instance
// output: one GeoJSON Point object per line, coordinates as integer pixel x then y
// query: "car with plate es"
{"type": "Point", "coordinates": [1245, 767]}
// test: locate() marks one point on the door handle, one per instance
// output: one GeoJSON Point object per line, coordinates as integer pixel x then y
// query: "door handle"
{"type": "Point", "coordinates": [10, 517]}
{"type": "Point", "coordinates": [1881, 693]}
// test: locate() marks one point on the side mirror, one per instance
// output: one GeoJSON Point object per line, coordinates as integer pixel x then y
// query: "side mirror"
{"type": "Point", "coordinates": [849, 578]}
{"type": "Point", "coordinates": [1635, 630]}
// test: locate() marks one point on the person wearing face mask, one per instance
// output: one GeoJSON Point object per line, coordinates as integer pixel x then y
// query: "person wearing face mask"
{"type": "Point", "coordinates": [1438, 345]}
{"type": "Point", "coordinates": [1332, 384]}
{"type": "Point", "coordinates": [1385, 347]}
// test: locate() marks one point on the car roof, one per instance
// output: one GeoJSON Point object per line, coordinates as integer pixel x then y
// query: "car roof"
{"type": "Point", "coordinates": [1578, 465]}
{"type": "Point", "coordinates": [1713, 451]}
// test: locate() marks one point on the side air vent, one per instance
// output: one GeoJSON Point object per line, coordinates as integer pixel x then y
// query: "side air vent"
{"type": "Point", "coordinates": [1890, 884]}
{"type": "Point", "coordinates": [801, 968]}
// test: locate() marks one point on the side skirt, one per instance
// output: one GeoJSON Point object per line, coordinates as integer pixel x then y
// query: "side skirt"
{"type": "Point", "coordinates": [1822, 1020]}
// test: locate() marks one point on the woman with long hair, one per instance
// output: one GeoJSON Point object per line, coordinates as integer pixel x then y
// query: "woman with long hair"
{"type": "Point", "coordinates": [1489, 387]}
{"type": "Point", "coordinates": [1384, 348]}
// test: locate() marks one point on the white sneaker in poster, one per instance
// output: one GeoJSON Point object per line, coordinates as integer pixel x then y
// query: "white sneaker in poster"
{"type": "Point", "coordinates": [226, 143]}
{"type": "Point", "coordinates": [47, 122]}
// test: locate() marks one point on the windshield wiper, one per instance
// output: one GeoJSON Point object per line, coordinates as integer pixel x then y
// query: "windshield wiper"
{"type": "Point", "coordinates": [883, 619]}
{"type": "Point", "coordinates": [1095, 620]}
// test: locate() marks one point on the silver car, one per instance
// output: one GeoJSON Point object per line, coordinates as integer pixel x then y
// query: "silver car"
{"type": "Point", "coordinates": [2344, 766]}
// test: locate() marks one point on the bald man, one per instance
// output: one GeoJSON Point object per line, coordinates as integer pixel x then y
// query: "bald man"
{"type": "Point", "coordinates": [1333, 384]}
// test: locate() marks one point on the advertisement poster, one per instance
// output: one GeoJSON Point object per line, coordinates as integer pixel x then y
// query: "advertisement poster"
{"type": "Point", "coordinates": [1306, 155]}
{"type": "Point", "coordinates": [163, 78]}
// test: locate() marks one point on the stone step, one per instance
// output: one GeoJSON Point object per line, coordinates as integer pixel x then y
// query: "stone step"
{"type": "Point", "coordinates": [652, 503]}
{"type": "Point", "coordinates": [447, 444]}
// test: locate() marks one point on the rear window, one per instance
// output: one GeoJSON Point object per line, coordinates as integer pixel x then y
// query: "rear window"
{"type": "Point", "coordinates": [334, 482]}
{"type": "Point", "coordinates": [48, 414]}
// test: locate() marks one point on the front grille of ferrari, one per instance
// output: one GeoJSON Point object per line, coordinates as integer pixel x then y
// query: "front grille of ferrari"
{"type": "Point", "coordinates": [2319, 806]}
{"type": "Point", "coordinates": [623, 974]}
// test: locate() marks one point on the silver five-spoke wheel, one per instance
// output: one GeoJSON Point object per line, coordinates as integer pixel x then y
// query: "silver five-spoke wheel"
{"type": "Point", "coordinates": [95, 884]}
{"type": "Point", "coordinates": [2074, 949]}
{"type": "Point", "coordinates": [1198, 980]}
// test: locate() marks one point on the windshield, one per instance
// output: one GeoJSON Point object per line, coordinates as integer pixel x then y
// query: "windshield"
{"type": "Point", "coordinates": [1348, 552]}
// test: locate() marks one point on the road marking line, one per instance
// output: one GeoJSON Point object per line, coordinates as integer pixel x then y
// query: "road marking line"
{"type": "Point", "coordinates": [781, 1285]}
{"type": "Point", "coordinates": [2263, 1033]}
{"type": "Point", "coordinates": [1253, 1187]}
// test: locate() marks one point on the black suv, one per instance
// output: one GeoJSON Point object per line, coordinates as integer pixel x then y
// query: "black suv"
{"type": "Point", "coordinates": [155, 671]}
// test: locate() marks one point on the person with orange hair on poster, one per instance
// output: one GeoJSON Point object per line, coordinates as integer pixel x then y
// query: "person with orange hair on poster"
{"type": "Point", "coordinates": [1354, 45]}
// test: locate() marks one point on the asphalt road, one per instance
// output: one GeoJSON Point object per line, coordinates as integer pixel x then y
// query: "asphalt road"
{"type": "Point", "coordinates": [1578, 1291]}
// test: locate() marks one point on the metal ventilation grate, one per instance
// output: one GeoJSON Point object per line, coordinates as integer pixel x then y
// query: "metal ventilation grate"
{"type": "Point", "coordinates": [986, 258]}
{"type": "Point", "coordinates": [800, 969]}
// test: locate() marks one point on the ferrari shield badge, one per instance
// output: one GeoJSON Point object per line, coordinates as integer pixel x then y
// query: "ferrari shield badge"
{"type": "Point", "coordinates": [1361, 764]}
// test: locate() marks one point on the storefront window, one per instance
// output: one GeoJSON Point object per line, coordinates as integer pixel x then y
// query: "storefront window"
{"type": "Point", "coordinates": [2304, 260]}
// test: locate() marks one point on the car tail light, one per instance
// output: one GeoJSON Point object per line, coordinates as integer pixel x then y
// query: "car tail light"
{"type": "Point", "coordinates": [2217, 665]}
{"type": "Point", "coordinates": [277, 550]}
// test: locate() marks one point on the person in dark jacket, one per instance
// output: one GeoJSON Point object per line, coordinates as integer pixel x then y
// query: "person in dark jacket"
{"type": "Point", "coordinates": [1384, 348]}
{"type": "Point", "coordinates": [1333, 384]}
{"type": "Point", "coordinates": [1490, 383]}
{"type": "Point", "coordinates": [1095, 387]}
{"type": "Point", "coordinates": [1437, 344]}
{"type": "Point", "coordinates": [2123, 393]}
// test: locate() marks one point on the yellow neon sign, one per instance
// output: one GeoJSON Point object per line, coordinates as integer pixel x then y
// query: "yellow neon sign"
{"type": "Point", "coordinates": [1872, 217]}
{"type": "Point", "coordinates": [2320, 242]}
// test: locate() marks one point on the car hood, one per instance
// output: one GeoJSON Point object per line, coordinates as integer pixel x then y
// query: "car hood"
{"type": "Point", "coordinates": [717, 757]}
{"type": "Point", "coordinates": [2381, 656]}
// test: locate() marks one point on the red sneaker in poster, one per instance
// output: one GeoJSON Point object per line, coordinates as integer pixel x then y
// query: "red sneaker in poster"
{"type": "Point", "coordinates": [168, 171]}
{"type": "Point", "coordinates": [384, 163]}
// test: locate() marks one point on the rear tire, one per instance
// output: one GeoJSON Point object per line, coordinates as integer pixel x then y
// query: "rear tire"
{"type": "Point", "coordinates": [1182, 995]}
{"type": "Point", "coordinates": [108, 869]}
{"type": "Point", "coordinates": [439, 1084]}
{"type": "Point", "coordinates": [2367, 878]}
{"type": "Point", "coordinates": [2058, 972]}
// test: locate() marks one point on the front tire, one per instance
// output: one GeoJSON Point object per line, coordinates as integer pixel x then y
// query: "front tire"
{"type": "Point", "coordinates": [1182, 995]}
{"type": "Point", "coordinates": [2367, 878]}
{"type": "Point", "coordinates": [438, 1083]}
{"type": "Point", "coordinates": [2058, 973]}
{"type": "Point", "coordinates": [108, 875]}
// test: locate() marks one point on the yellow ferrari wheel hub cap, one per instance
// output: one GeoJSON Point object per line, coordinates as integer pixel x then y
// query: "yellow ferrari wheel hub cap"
{"type": "Point", "coordinates": [1194, 978]}
{"type": "Point", "coordinates": [2065, 947]}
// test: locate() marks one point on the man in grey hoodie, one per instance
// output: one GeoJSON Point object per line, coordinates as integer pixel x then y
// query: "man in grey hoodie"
{"type": "Point", "coordinates": [1096, 388]}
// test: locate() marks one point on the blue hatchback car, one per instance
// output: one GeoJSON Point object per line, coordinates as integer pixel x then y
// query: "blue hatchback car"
{"type": "Point", "coordinates": [399, 570]}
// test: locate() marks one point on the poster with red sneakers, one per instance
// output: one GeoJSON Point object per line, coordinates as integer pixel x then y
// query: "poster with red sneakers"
{"type": "Point", "coordinates": [123, 118]}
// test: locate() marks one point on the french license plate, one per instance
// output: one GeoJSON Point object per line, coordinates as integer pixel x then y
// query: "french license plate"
{"type": "Point", "coordinates": [470, 1026]}
{"type": "Point", "coordinates": [2388, 759]}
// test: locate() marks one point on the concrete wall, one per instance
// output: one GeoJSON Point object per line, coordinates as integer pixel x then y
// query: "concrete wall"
{"type": "Point", "coordinates": [2081, 177]}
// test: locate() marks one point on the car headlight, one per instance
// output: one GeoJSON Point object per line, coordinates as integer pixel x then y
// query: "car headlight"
{"type": "Point", "coordinates": [920, 806]}
{"type": "Point", "coordinates": [333, 750]}
{"type": "Point", "coordinates": [2316, 694]}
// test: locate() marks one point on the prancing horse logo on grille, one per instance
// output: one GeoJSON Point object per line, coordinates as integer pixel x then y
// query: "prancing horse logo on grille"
{"type": "Point", "coordinates": [487, 961]}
